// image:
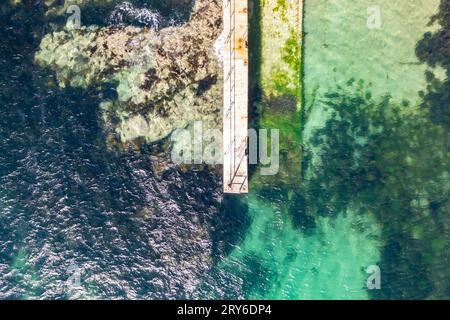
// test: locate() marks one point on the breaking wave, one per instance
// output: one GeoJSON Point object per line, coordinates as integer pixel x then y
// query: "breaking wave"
{"type": "Point", "coordinates": [126, 14]}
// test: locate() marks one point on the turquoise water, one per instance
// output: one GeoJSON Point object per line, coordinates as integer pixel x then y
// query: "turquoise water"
{"type": "Point", "coordinates": [328, 263]}
{"type": "Point", "coordinates": [316, 240]}
{"type": "Point", "coordinates": [340, 47]}
{"type": "Point", "coordinates": [372, 189]}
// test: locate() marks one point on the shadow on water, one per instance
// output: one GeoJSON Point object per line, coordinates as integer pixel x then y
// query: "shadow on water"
{"type": "Point", "coordinates": [371, 158]}
{"type": "Point", "coordinates": [434, 50]}
{"type": "Point", "coordinates": [389, 158]}
{"type": "Point", "coordinates": [67, 200]}
{"type": "Point", "coordinates": [386, 159]}
{"type": "Point", "coordinates": [254, 49]}
{"type": "Point", "coordinates": [277, 112]}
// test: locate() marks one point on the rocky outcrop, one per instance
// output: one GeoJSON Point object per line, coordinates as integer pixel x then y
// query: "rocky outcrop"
{"type": "Point", "coordinates": [164, 79]}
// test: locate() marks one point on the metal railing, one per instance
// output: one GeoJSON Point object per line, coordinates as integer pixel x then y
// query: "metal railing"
{"type": "Point", "coordinates": [233, 149]}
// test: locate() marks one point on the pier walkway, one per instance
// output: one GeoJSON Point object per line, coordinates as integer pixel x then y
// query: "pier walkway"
{"type": "Point", "coordinates": [235, 109]}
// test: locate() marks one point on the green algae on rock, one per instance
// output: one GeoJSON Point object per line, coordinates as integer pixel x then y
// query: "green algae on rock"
{"type": "Point", "coordinates": [281, 45]}
{"type": "Point", "coordinates": [164, 79]}
{"type": "Point", "coordinates": [278, 24]}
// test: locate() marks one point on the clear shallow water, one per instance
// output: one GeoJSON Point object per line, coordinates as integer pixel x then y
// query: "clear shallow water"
{"type": "Point", "coordinates": [340, 47]}
{"type": "Point", "coordinates": [282, 256]}
{"type": "Point", "coordinates": [327, 263]}
{"type": "Point", "coordinates": [66, 200]}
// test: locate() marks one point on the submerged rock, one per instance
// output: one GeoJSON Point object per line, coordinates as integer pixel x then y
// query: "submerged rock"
{"type": "Point", "coordinates": [164, 79]}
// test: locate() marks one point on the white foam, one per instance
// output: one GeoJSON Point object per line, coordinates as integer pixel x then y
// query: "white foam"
{"type": "Point", "coordinates": [219, 47]}
{"type": "Point", "coordinates": [143, 16]}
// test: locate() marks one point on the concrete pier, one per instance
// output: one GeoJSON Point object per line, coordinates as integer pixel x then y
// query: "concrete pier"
{"type": "Point", "coordinates": [235, 109]}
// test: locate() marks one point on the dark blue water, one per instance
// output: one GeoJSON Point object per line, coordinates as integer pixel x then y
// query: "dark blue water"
{"type": "Point", "coordinates": [72, 208]}
{"type": "Point", "coordinates": [67, 201]}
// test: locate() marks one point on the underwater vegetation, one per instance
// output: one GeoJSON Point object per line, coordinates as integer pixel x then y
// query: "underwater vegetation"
{"type": "Point", "coordinates": [134, 230]}
{"type": "Point", "coordinates": [288, 251]}
{"type": "Point", "coordinates": [377, 170]}
{"type": "Point", "coordinates": [434, 49]}
{"type": "Point", "coordinates": [391, 161]}
{"type": "Point", "coordinates": [370, 185]}
{"type": "Point", "coordinates": [275, 45]}
{"type": "Point", "coordinates": [388, 158]}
